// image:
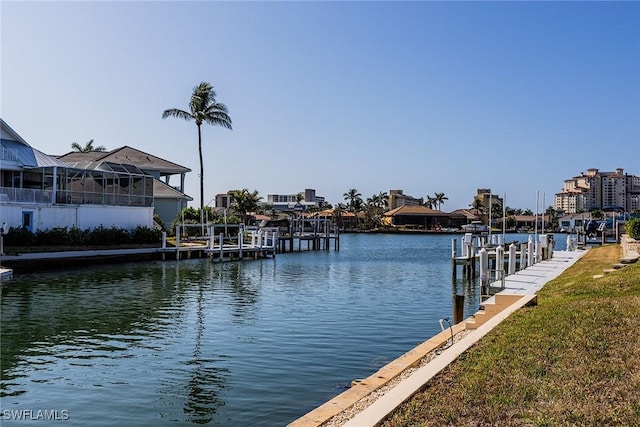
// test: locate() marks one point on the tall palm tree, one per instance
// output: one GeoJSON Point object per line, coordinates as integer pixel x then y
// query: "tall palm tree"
{"type": "Point", "coordinates": [439, 199]}
{"type": "Point", "coordinates": [87, 147]}
{"type": "Point", "coordinates": [203, 108]}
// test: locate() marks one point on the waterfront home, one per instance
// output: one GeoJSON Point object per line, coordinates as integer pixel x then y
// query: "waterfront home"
{"type": "Point", "coordinates": [168, 197]}
{"type": "Point", "coordinates": [422, 218]}
{"type": "Point", "coordinates": [40, 192]}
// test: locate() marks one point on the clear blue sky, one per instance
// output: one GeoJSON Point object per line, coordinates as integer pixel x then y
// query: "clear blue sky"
{"type": "Point", "coordinates": [421, 96]}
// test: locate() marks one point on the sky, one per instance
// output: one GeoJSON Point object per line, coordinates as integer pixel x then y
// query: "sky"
{"type": "Point", "coordinates": [421, 96]}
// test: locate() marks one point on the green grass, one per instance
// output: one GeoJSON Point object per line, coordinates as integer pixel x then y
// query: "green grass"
{"type": "Point", "coordinates": [572, 360]}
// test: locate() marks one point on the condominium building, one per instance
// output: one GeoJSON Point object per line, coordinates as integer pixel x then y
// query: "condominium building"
{"type": "Point", "coordinates": [488, 199]}
{"type": "Point", "coordinates": [397, 198]}
{"type": "Point", "coordinates": [599, 190]}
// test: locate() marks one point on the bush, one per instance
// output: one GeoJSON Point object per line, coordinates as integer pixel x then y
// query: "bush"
{"type": "Point", "coordinates": [61, 236]}
{"type": "Point", "coordinates": [633, 228]}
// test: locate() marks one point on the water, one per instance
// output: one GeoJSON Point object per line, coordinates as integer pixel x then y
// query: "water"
{"type": "Point", "coordinates": [255, 343]}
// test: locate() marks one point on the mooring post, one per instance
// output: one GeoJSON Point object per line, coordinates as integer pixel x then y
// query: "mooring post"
{"type": "Point", "coordinates": [178, 233]}
{"type": "Point", "coordinates": [500, 264]}
{"type": "Point", "coordinates": [484, 268]}
{"type": "Point", "coordinates": [512, 258]}
{"type": "Point", "coordinates": [530, 251]}
{"type": "Point", "coordinates": [221, 246]}
{"type": "Point", "coordinates": [458, 308]}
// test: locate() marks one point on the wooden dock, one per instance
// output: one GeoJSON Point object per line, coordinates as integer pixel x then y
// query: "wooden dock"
{"type": "Point", "coordinates": [236, 241]}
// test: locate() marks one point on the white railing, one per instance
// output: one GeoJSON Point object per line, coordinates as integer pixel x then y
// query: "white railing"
{"type": "Point", "coordinates": [24, 195]}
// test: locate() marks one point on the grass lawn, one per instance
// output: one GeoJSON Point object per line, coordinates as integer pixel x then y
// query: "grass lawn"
{"type": "Point", "coordinates": [574, 359]}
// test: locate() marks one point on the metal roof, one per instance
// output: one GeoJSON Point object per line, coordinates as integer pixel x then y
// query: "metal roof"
{"type": "Point", "coordinates": [29, 157]}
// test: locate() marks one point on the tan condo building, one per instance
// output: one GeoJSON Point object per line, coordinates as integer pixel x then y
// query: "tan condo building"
{"type": "Point", "coordinates": [599, 190]}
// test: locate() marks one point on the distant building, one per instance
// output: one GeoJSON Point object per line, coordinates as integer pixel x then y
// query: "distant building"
{"type": "Point", "coordinates": [599, 190]}
{"type": "Point", "coordinates": [285, 202]}
{"type": "Point", "coordinates": [487, 198]}
{"type": "Point", "coordinates": [224, 200]}
{"type": "Point", "coordinates": [279, 202]}
{"type": "Point", "coordinates": [397, 199]}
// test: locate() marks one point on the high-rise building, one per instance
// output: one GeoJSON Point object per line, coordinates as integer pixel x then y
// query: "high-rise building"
{"type": "Point", "coordinates": [599, 190]}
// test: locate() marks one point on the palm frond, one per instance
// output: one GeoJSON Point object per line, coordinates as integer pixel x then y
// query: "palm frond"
{"type": "Point", "coordinates": [178, 113]}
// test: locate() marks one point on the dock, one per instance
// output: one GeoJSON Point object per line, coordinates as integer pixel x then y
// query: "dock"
{"type": "Point", "coordinates": [223, 242]}
{"type": "Point", "coordinates": [495, 259]}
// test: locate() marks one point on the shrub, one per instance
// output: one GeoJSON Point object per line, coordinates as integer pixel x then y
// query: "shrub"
{"type": "Point", "coordinates": [633, 228]}
{"type": "Point", "coordinates": [61, 236]}
{"type": "Point", "coordinates": [145, 235]}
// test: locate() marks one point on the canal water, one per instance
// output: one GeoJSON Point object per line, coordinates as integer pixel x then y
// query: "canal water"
{"type": "Point", "coordinates": [252, 343]}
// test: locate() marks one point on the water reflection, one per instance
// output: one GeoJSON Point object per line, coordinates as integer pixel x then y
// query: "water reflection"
{"type": "Point", "coordinates": [196, 342]}
{"type": "Point", "coordinates": [205, 380]}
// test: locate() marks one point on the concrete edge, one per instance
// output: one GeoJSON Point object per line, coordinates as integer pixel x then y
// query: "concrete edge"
{"type": "Point", "coordinates": [386, 404]}
{"type": "Point", "coordinates": [362, 388]}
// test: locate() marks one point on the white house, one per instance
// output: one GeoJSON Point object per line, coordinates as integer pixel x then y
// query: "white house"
{"type": "Point", "coordinates": [168, 197]}
{"type": "Point", "coordinates": [40, 192]}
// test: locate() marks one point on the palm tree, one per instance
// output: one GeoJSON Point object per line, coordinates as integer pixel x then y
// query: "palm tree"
{"type": "Point", "coordinates": [439, 199]}
{"type": "Point", "coordinates": [355, 202]}
{"type": "Point", "coordinates": [244, 202]}
{"type": "Point", "coordinates": [87, 147]}
{"type": "Point", "coordinates": [203, 109]}
{"type": "Point", "coordinates": [430, 202]}
{"type": "Point", "coordinates": [477, 204]}
{"type": "Point", "coordinates": [379, 201]}
{"type": "Point", "coordinates": [354, 199]}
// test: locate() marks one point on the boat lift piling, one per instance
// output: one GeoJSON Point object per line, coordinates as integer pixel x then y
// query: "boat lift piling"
{"type": "Point", "coordinates": [495, 263]}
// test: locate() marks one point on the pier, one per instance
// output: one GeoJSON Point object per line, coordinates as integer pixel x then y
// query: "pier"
{"type": "Point", "coordinates": [490, 256]}
{"type": "Point", "coordinates": [236, 241]}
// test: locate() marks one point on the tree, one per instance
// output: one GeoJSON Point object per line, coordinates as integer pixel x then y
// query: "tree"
{"type": "Point", "coordinates": [337, 214]}
{"type": "Point", "coordinates": [477, 204]}
{"type": "Point", "coordinates": [87, 147]}
{"type": "Point", "coordinates": [429, 202]}
{"type": "Point", "coordinates": [439, 199]}
{"type": "Point", "coordinates": [353, 198]}
{"type": "Point", "coordinates": [203, 109]}
{"type": "Point", "coordinates": [244, 202]}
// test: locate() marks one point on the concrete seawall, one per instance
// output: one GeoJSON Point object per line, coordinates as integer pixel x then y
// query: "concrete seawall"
{"type": "Point", "coordinates": [520, 290]}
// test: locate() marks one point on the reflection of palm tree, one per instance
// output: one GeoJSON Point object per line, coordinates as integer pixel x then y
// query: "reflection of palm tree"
{"type": "Point", "coordinates": [203, 401]}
